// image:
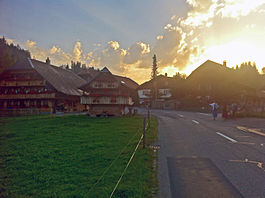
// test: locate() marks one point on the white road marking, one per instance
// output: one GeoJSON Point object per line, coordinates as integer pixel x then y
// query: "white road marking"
{"type": "Point", "coordinates": [207, 114]}
{"type": "Point", "coordinates": [245, 129]}
{"type": "Point", "coordinates": [232, 140]}
{"type": "Point", "coordinates": [180, 115]}
{"type": "Point", "coordinates": [195, 121]}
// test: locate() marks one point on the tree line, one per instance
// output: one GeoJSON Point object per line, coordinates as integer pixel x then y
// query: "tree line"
{"type": "Point", "coordinates": [10, 54]}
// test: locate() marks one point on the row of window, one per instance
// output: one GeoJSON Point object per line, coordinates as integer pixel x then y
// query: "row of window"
{"type": "Point", "coordinates": [24, 90]}
{"type": "Point", "coordinates": [100, 85]}
{"type": "Point", "coordinates": [23, 103]}
{"type": "Point", "coordinates": [112, 100]}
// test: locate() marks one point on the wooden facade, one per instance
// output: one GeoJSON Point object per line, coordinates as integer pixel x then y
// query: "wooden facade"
{"type": "Point", "coordinates": [33, 85]}
{"type": "Point", "coordinates": [104, 94]}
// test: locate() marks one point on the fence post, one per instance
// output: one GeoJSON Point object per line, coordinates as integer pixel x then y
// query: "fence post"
{"type": "Point", "coordinates": [148, 115]}
{"type": "Point", "coordinates": [144, 134]}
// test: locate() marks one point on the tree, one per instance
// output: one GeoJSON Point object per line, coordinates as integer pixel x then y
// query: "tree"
{"type": "Point", "coordinates": [154, 68]}
{"type": "Point", "coordinates": [10, 54]}
{"type": "Point", "coordinates": [263, 70]}
{"type": "Point", "coordinates": [154, 79]}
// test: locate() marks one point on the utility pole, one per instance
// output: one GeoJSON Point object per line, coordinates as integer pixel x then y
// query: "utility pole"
{"type": "Point", "coordinates": [144, 134]}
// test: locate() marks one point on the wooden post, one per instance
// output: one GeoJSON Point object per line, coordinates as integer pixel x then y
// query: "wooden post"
{"type": "Point", "coordinates": [144, 134]}
{"type": "Point", "coordinates": [148, 116]}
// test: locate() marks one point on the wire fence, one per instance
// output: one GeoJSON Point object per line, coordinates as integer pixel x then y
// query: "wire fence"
{"type": "Point", "coordinates": [147, 125]}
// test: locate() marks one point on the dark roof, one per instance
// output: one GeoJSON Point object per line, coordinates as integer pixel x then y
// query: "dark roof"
{"type": "Point", "coordinates": [96, 73]}
{"type": "Point", "coordinates": [22, 64]}
{"type": "Point", "coordinates": [129, 82]}
{"type": "Point", "coordinates": [106, 70]}
{"type": "Point", "coordinates": [90, 71]}
{"type": "Point", "coordinates": [210, 69]}
{"type": "Point", "coordinates": [62, 80]}
{"type": "Point", "coordinates": [162, 82]}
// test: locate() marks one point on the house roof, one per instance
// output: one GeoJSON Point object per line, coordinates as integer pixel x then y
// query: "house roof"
{"type": "Point", "coordinates": [89, 71]}
{"type": "Point", "coordinates": [129, 82]}
{"type": "Point", "coordinates": [22, 64]}
{"type": "Point", "coordinates": [163, 82]}
{"type": "Point", "coordinates": [62, 80]}
{"type": "Point", "coordinates": [96, 73]}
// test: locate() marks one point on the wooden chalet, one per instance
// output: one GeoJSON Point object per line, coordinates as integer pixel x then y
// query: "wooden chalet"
{"type": "Point", "coordinates": [107, 94]}
{"type": "Point", "coordinates": [33, 85]}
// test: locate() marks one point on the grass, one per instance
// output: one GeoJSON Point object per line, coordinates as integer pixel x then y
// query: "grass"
{"type": "Point", "coordinates": [45, 156]}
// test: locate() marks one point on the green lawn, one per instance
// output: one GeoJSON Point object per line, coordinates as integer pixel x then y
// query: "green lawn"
{"type": "Point", "coordinates": [65, 156]}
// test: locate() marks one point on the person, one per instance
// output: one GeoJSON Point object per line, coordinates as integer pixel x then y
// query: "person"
{"type": "Point", "coordinates": [225, 113]}
{"type": "Point", "coordinates": [214, 109]}
{"type": "Point", "coordinates": [234, 110]}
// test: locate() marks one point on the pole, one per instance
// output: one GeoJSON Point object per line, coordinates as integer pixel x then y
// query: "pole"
{"type": "Point", "coordinates": [148, 116]}
{"type": "Point", "coordinates": [144, 134]}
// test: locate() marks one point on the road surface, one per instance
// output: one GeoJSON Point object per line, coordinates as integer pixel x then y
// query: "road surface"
{"type": "Point", "coordinates": [200, 157]}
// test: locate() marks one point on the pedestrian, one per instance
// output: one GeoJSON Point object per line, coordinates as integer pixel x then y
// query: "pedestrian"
{"type": "Point", "coordinates": [225, 113]}
{"type": "Point", "coordinates": [214, 109]}
{"type": "Point", "coordinates": [234, 110]}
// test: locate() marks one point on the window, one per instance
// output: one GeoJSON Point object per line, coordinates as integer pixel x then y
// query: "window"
{"type": "Point", "coordinates": [38, 103]}
{"type": "Point", "coordinates": [1, 103]}
{"type": "Point", "coordinates": [45, 103]}
{"type": "Point", "coordinates": [15, 103]}
{"type": "Point", "coordinates": [31, 103]}
{"type": "Point", "coordinates": [22, 104]}
{"type": "Point", "coordinates": [146, 92]}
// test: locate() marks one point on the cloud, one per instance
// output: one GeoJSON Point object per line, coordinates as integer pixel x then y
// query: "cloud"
{"type": "Point", "coordinates": [136, 52]}
{"type": "Point", "coordinates": [77, 51]}
{"type": "Point", "coordinates": [182, 43]}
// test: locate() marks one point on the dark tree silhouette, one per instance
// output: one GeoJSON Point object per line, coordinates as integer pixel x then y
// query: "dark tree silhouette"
{"type": "Point", "coordinates": [10, 54]}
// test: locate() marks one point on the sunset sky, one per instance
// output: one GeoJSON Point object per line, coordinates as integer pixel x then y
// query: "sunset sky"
{"type": "Point", "coordinates": [124, 34]}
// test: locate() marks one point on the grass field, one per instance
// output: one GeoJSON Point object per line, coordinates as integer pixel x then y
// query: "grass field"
{"type": "Point", "coordinates": [65, 156]}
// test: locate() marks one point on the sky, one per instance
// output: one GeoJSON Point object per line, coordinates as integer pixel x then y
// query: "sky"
{"type": "Point", "coordinates": [125, 34]}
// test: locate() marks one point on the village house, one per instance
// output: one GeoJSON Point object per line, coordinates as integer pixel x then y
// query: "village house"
{"type": "Point", "coordinates": [107, 94]}
{"type": "Point", "coordinates": [159, 93]}
{"type": "Point", "coordinates": [31, 85]}
{"type": "Point", "coordinates": [212, 81]}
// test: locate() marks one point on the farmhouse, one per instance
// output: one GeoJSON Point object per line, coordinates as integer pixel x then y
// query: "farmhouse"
{"type": "Point", "coordinates": [107, 94]}
{"type": "Point", "coordinates": [32, 85]}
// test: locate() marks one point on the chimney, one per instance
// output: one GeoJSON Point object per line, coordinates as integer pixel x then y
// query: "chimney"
{"type": "Point", "coordinates": [224, 63]}
{"type": "Point", "coordinates": [48, 61]}
{"type": "Point", "coordinates": [165, 74]}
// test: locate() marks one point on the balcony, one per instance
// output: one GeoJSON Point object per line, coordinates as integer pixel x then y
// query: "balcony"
{"type": "Point", "coordinates": [27, 96]}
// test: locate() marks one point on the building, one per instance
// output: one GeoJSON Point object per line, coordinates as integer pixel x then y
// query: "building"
{"type": "Point", "coordinates": [163, 96]}
{"type": "Point", "coordinates": [107, 94]}
{"type": "Point", "coordinates": [34, 86]}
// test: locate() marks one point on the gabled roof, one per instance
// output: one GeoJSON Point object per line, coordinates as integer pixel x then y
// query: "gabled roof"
{"type": "Point", "coordinates": [163, 82]}
{"type": "Point", "coordinates": [101, 75]}
{"type": "Point", "coordinates": [209, 69]}
{"type": "Point", "coordinates": [89, 71]}
{"type": "Point", "coordinates": [129, 82]}
{"type": "Point", "coordinates": [62, 80]}
{"type": "Point", "coordinates": [106, 70]}
{"type": "Point", "coordinates": [22, 64]}
{"type": "Point", "coordinates": [108, 75]}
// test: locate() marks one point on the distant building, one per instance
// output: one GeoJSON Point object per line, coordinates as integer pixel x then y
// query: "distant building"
{"type": "Point", "coordinates": [31, 85]}
{"type": "Point", "coordinates": [105, 93]}
{"type": "Point", "coordinates": [164, 97]}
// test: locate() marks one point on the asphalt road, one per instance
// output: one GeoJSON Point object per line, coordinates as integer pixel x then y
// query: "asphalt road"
{"type": "Point", "coordinates": [200, 157]}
